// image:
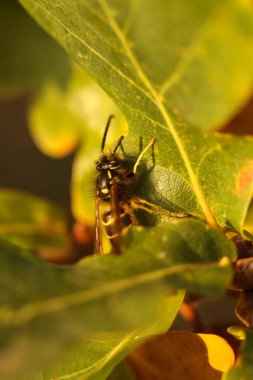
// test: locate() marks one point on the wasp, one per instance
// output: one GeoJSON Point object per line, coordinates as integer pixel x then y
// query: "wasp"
{"type": "Point", "coordinates": [113, 184]}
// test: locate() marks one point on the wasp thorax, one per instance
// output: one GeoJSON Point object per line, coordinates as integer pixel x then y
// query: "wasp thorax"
{"type": "Point", "coordinates": [104, 184]}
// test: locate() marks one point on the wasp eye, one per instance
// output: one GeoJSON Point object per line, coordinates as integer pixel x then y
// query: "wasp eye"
{"type": "Point", "coordinates": [98, 167]}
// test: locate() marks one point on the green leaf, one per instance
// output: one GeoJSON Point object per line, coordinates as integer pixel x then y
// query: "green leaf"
{"type": "Point", "coordinates": [106, 297]}
{"type": "Point", "coordinates": [94, 359]}
{"type": "Point", "coordinates": [209, 176]}
{"type": "Point", "coordinates": [243, 368]}
{"type": "Point", "coordinates": [54, 128]}
{"type": "Point", "coordinates": [32, 222]}
{"type": "Point", "coordinates": [61, 119]}
{"type": "Point", "coordinates": [237, 331]}
{"type": "Point", "coordinates": [29, 56]}
{"type": "Point", "coordinates": [188, 51]}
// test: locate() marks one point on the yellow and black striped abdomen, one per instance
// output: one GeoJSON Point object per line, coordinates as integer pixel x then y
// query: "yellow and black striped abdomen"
{"type": "Point", "coordinates": [114, 227]}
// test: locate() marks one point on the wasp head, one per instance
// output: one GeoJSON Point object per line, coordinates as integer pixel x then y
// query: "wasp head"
{"type": "Point", "coordinates": [107, 162]}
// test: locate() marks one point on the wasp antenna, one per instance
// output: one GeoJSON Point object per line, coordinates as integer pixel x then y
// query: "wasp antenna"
{"type": "Point", "coordinates": [106, 131]}
{"type": "Point", "coordinates": [117, 145]}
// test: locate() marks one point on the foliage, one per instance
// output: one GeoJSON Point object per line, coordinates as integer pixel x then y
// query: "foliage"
{"type": "Point", "coordinates": [167, 67]}
{"type": "Point", "coordinates": [31, 222]}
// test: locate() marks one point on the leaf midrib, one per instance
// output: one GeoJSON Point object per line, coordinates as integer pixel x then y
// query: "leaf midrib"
{"type": "Point", "coordinates": [186, 58]}
{"type": "Point", "coordinates": [94, 51]}
{"type": "Point", "coordinates": [159, 103]}
{"type": "Point", "coordinates": [118, 348]}
{"type": "Point", "coordinates": [120, 344]}
{"type": "Point", "coordinates": [101, 363]}
{"type": "Point", "coordinates": [17, 317]}
{"type": "Point", "coordinates": [153, 96]}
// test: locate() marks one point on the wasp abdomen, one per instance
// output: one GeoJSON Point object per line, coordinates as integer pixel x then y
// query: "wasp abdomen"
{"type": "Point", "coordinates": [114, 227]}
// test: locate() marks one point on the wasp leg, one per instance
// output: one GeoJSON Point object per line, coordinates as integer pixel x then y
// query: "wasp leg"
{"type": "Point", "coordinates": [137, 203]}
{"type": "Point", "coordinates": [137, 163]}
{"type": "Point", "coordinates": [128, 209]}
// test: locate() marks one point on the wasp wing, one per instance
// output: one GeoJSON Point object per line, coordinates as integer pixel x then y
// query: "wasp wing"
{"type": "Point", "coordinates": [116, 238]}
{"type": "Point", "coordinates": [98, 239]}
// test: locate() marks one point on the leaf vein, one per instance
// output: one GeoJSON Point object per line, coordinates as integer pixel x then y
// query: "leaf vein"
{"type": "Point", "coordinates": [186, 58]}
{"type": "Point", "coordinates": [159, 103]}
{"type": "Point", "coordinates": [104, 360]}
{"type": "Point", "coordinates": [95, 52]}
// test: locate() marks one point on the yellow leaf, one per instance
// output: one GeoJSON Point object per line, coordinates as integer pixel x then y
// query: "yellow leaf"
{"type": "Point", "coordinates": [182, 355]}
{"type": "Point", "coordinates": [220, 354]}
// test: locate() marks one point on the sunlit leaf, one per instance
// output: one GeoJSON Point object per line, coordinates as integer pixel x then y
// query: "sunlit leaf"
{"type": "Point", "coordinates": [237, 331]}
{"type": "Point", "coordinates": [62, 118]}
{"type": "Point", "coordinates": [54, 128]}
{"type": "Point", "coordinates": [226, 356]}
{"type": "Point", "coordinates": [209, 176]}
{"type": "Point", "coordinates": [188, 50]}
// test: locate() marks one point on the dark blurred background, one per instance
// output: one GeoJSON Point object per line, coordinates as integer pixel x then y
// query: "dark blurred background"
{"type": "Point", "coordinates": [29, 59]}
{"type": "Point", "coordinates": [22, 166]}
